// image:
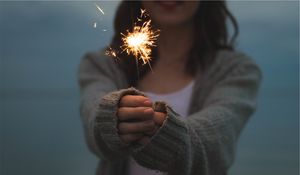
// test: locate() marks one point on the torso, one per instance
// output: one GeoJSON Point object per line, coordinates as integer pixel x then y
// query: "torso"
{"type": "Point", "coordinates": [169, 82]}
{"type": "Point", "coordinates": [165, 79]}
{"type": "Point", "coordinates": [178, 101]}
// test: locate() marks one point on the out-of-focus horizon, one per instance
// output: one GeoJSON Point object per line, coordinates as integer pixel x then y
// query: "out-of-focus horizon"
{"type": "Point", "coordinates": [41, 45]}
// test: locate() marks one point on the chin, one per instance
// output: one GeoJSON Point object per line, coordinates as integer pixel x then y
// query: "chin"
{"type": "Point", "coordinates": [171, 13]}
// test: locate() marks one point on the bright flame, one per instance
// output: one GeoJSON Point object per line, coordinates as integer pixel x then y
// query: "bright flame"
{"type": "Point", "coordinates": [140, 40]}
{"type": "Point", "coordinates": [136, 39]}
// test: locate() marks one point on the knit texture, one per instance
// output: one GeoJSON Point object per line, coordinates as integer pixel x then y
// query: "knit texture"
{"type": "Point", "coordinates": [223, 98]}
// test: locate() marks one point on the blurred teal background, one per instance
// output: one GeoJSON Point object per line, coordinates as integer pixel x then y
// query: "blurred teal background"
{"type": "Point", "coordinates": [41, 45]}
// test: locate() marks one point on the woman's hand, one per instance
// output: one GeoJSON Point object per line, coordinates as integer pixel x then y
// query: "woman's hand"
{"type": "Point", "coordinates": [137, 119]}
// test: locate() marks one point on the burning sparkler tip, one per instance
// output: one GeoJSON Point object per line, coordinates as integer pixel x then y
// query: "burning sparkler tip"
{"type": "Point", "coordinates": [140, 40]}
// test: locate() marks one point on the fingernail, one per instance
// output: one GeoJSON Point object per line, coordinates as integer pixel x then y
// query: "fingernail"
{"type": "Point", "coordinates": [148, 111]}
{"type": "Point", "coordinates": [148, 103]}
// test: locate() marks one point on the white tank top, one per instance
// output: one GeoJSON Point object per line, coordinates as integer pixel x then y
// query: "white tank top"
{"type": "Point", "coordinates": [179, 101]}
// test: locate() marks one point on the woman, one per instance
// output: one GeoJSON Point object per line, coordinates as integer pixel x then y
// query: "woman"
{"type": "Point", "coordinates": [209, 91]}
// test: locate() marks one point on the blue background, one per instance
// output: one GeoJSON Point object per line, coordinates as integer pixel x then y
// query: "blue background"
{"type": "Point", "coordinates": [41, 45]}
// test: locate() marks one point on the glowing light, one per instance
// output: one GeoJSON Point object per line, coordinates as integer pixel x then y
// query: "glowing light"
{"type": "Point", "coordinates": [140, 40]}
{"type": "Point", "coordinates": [111, 52]}
{"type": "Point", "coordinates": [98, 7]}
{"type": "Point", "coordinates": [95, 24]}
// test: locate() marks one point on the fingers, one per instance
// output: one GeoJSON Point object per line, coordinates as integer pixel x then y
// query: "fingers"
{"type": "Point", "coordinates": [137, 113]}
{"type": "Point", "coordinates": [151, 133]}
{"type": "Point", "coordinates": [159, 118]}
{"type": "Point", "coordinates": [136, 127]}
{"type": "Point", "coordinates": [135, 101]}
{"type": "Point", "coordinates": [137, 119]}
{"type": "Point", "coordinates": [128, 138]}
{"type": "Point", "coordinates": [144, 140]}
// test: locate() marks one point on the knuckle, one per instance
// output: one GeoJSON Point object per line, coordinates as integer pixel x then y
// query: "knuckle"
{"type": "Point", "coordinates": [123, 101]}
{"type": "Point", "coordinates": [120, 111]}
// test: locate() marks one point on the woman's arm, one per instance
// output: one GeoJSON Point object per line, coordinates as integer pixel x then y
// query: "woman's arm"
{"type": "Point", "coordinates": [100, 78]}
{"type": "Point", "coordinates": [105, 117]}
{"type": "Point", "coordinates": [204, 143]}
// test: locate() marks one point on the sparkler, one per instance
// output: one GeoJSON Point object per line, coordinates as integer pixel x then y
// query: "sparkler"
{"type": "Point", "coordinates": [139, 41]}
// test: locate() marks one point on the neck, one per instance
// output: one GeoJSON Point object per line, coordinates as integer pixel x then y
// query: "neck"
{"type": "Point", "coordinates": [175, 42]}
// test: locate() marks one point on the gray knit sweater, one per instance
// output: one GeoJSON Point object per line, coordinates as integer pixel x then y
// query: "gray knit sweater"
{"type": "Point", "coordinates": [204, 143]}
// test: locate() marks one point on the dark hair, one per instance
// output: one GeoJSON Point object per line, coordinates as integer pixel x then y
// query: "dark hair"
{"type": "Point", "coordinates": [211, 35]}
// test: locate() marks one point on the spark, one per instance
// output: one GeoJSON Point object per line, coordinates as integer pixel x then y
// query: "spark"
{"type": "Point", "coordinates": [104, 30]}
{"type": "Point", "coordinates": [95, 24]}
{"type": "Point", "coordinates": [140, 40]}
{"type": "Point", "coordinates": [98, 7]}
{"type": "Point", "coordinates": [111, 52]}
{"type": "Point", "coordinates": [143, 12]}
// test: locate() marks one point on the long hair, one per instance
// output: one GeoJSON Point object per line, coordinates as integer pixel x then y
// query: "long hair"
{"type": "Point", "coordinates": [211, 35]}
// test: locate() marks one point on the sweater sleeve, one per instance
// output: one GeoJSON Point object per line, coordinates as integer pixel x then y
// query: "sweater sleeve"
{"type": "Point", "coordinates": [204, 143]}
{"type": "Point", "coordinates": [100, 81]}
